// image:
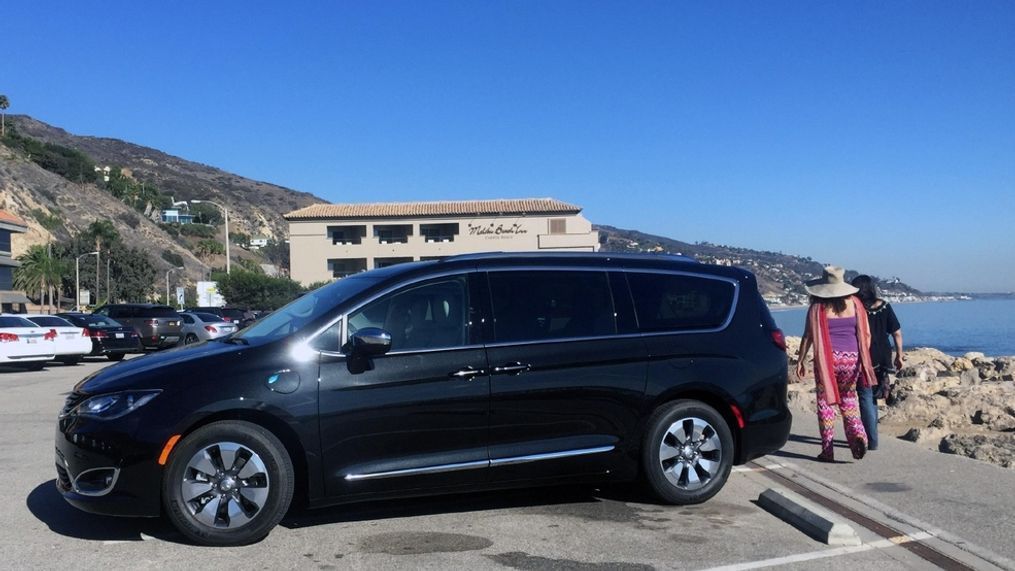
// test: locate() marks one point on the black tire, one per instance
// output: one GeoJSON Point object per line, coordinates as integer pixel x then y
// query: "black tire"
{"type": "Point", "coordinates": [114, 356]}
{"type": "Point", "coordinates": [702, 452]}
{"type": "Point", "coordinates": [243, 501]}
{"type": "Point", "coordinates": [36, 366]}
{"type": "Point", "coordinates": [190, 339]}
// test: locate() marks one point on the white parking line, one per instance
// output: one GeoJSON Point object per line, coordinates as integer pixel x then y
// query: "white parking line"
{"type": "Point", "coordinates": [761, 469]}
{"type": "Point", "coordinates": [824, 554]}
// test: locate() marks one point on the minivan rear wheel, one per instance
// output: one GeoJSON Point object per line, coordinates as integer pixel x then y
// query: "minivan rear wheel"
{"type": "Point", "coordinates": [228, 483]}
{"type": "Point", "coordinates": [687, 453]}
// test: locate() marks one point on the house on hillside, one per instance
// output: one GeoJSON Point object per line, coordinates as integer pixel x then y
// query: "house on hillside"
{"type": "Point", "coordinates": [10, 301]}
{"type": "Point", "coordinates": [174, 216]}
{"type": "Point", "coordinates": [328, 241]}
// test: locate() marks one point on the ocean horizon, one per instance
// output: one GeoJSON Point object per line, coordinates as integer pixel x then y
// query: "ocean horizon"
{"type": "Point", "coordinates": [954, 327]}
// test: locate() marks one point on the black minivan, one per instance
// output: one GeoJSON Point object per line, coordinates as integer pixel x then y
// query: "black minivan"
{"type": "Point", "coordinates": [471, 372]}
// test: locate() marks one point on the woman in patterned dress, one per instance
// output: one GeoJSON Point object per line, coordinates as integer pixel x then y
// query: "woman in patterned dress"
{"type": "Point", "coordinates": [838, 330]}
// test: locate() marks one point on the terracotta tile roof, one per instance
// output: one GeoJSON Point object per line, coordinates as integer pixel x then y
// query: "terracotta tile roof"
{"type": "Point", "coordinates": [498, 207]}
{"type": "Point", "coordinates": [11, 219]}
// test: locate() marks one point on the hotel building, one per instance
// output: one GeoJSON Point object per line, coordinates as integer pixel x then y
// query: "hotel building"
{"type": "Point", "coordinates": [328, 241]}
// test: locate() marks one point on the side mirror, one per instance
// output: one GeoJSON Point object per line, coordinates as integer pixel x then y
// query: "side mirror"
{"type": "Point", "coordinates": [370, 342]}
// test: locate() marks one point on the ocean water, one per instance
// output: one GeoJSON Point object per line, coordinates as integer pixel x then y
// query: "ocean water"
{"type": "Point", "coordinates": [955, 327]}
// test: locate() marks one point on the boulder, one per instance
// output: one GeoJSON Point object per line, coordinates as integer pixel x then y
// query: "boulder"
{"type": "Point", "coordinates": [997, 449]}
{"type": "Point", "coordinates": [961, 364]}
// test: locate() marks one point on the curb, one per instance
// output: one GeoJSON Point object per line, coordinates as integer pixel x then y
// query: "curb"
{"type": "Point", "coordinates": [808, 517]}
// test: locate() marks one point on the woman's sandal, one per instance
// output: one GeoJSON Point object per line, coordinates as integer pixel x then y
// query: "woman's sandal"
{"type": "Point", "coordinates": [858, 447]}
{"type": "Point", "coordinates": [823, 458]}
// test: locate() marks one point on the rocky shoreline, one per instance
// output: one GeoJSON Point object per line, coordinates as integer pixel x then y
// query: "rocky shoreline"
{"type": "Point", "coordinates": [956, 405]}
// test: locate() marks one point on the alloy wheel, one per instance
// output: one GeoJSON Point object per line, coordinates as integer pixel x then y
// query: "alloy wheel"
{"type": "Point", "coordinates": [225, 485]}
{"type": "Point", "coordinates": [690, 453]}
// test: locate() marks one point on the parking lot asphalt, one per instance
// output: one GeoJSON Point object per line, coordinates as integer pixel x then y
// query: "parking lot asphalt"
{"type": "Point", "coordinates": [576, 528]}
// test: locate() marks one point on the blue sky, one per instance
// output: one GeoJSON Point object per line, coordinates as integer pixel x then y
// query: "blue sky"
{"type": "Point", "coordinates": [875, 135]}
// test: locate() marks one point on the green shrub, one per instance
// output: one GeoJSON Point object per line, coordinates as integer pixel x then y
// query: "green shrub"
{"type": "Point", "coordinates": [172, 257]}
{"type": "Point", "coordinates": [48, 221]}
{"type": "Point", "coordinates": [210, 247]}
{"type": "Point", "coordinates": [198, 230]}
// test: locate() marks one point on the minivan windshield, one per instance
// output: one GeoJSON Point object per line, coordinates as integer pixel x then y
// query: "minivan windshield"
{"type": "Point", "coordinates": [306, 309]}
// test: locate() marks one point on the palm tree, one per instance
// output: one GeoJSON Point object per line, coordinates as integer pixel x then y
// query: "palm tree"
{"type": "Point", "coordinates": [103, 232]}
{"type": "Point", "coordinates": [40, 271]}
{"type": "Point", "coordinates": [4, 104]}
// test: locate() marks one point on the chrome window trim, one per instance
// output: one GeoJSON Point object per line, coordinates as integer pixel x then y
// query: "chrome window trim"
{"type": "Point", "coordinates": [554, 268]}
{"type": "Point", "coordinates": [477, 464]}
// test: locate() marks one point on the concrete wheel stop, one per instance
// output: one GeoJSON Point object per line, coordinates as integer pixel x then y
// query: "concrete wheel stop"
{"type": "Point", "coordinates": [808, 517]}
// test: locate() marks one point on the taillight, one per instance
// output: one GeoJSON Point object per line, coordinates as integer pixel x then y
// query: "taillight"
{"type": "Point", "coordinates": [134, 333]}
{"type": "Point", "coordinates": [99, 334]}
{"type": "Point", "coordinates": [8, 338]}
{"type": "Point", "coordinates": [85, 332]}
{"type": "Point", "coordinates": [229, 319]}
{"type": "Point", "coordinates": [210, 329]}
{"type": "Point", "coordinates": [152, 322]}
{"type": "Point", "coordinates": [50, 336]}
{"type": "Point", "coordinates": [779, 339]}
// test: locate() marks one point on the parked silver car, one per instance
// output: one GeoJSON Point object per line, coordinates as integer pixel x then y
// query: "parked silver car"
{"type": "Point", "coordinates": [199, 326]}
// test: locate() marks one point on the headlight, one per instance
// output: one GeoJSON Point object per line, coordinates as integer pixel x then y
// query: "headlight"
{"type": "Point", "coordinates": [115, 405]}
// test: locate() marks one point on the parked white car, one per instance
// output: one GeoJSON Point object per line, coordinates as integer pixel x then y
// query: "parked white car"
{"type": "Point", "coordinates": [24, 343]}
{"type": "Point", "coordinates": [199, 326]}
{"type": "Point", "coordinates": [72, 343]}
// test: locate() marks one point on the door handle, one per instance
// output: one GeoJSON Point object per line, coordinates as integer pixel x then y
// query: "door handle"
{"type": "Point", "coordinates": [467, 373]}
{"type": "Point", "coordinates": [512, 369]}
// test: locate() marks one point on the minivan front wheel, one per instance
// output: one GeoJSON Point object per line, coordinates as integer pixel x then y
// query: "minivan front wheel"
{"type": "Point", "coordinates": [687, 454]}
{"type": "Point", "coordinates": [228, 483]}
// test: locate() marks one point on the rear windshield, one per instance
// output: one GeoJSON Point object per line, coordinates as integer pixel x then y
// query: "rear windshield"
{"type": "Point", "coordinates": [158, 312]}
{"type": "Point", "coordinates": [50, 321]}
{"type": "Point", "coordinates": [234, 313]}
{"type": "Point", "coordinates": [98, 321]}
{"type": "Point", "coordinates": [207, 317]}
{"type": "Point", "coordinates": [10, 321]}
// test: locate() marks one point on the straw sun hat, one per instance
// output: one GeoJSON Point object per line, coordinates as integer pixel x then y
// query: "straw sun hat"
{"type": "Point", "coordinates": [830, 284]}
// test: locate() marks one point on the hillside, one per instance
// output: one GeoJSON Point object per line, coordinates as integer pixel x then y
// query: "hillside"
{"type": "Point", "coordinates": [255, 207]}
{"type": "Point", "coordinates": [57, 208]}
{"type": "Point", "coordinates": [780, 276]}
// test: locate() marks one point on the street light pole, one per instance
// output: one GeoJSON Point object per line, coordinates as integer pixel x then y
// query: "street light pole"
{"type": "Point", "coordinates": [171, 270]}
{"type": "Point", "coordinates": [225, 211]}
{"type": "Point", "coordinates": [77, 278]}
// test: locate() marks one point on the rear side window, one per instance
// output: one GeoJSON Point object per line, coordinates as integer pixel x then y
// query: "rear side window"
{"type": "Point", "coordinates": [537, 305]}
{"type": "Point", "coordinates": [668, 302]}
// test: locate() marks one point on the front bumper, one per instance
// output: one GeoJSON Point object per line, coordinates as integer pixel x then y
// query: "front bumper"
{"type": "Point", "coordinates": [102, 470]}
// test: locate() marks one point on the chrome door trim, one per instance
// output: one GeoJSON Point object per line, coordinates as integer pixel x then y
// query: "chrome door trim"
{"type": "Point", "coordinates": [419, 471]}
{"type": "Point", "coordinates": [479, 464]}
{"type": "Point", "coordinates": [549, 456]}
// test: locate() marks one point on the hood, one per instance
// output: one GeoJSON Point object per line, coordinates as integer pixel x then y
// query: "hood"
{"type": "Point", "coordinates": [157, 370]}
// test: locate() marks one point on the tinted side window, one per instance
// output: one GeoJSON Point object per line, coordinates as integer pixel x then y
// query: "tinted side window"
{"type": "Point", "coordinates": [431, 315]}
{"type": "Point", "coordinates": [187, 319]}
{"type": "Point", "coordinates": [535, 305]}
{"type": "Point", "coordinates": [674, 302]}
{"type": "Point", "coordinates": [122, 312]}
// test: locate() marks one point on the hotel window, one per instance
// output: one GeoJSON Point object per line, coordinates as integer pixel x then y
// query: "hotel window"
{"type": "Point", "coordinates": [438, 232]}
{"type": "Point", "coordinates": [558, 226]}
{"type": "Point", "coordinates": [347, 234]}
{"type": "Point", "coordinates": [393, 234]}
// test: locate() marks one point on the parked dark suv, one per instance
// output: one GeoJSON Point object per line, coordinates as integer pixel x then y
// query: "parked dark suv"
{"type": "Point", "coordinates": [471, 372]}
{"type": "Point", "coordinates": [158, 325]}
